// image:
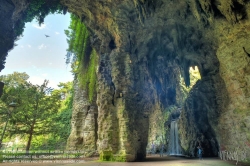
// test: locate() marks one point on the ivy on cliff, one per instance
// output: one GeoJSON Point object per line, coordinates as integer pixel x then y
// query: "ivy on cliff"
{"type": "Point", "coordinates": [38, 9]}
{"type": "Point", "coordinates": [82, 57]}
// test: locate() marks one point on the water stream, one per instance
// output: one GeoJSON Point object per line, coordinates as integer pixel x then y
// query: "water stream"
{"type": "Point", "coordinates": [174, 146]}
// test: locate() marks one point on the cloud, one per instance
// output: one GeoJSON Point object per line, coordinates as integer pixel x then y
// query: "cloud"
{"type": "Point", "coordinates": [44, 74]}
{"type": "Point", "coordinates": [53, 84]}
{"type": "Point", "coordinates": [57, 33]}
{"type": "Point", "coordinates": [29, 45]}
{"type": "Point", "coordinates": [39, 27]}
{"type": "Point", "coordinates": [42, 46]}
{"type": "Point", "coordinates": [36, 80]}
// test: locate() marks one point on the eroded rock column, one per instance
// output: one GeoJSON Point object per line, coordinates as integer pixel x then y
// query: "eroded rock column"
{"type": "Point", "coordinates": [83, 134]}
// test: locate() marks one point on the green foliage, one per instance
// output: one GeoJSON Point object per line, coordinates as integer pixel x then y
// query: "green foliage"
{"type": "Point", "coordinates": [63, 119]}
{"type": "Point", "coordinates": [47, 142]}
{"type": "Point", "coordinates": [1, 157]}
{"type": "Point", "coordinates": [38, 9]}
{"type": "Point", "coordinates": [37, 105]}
{"type": "Point", "coordinates": [57, 139]}
{"type": "Point", "coordinates": [109, 156]}
{"type": "Point", "coordinates": [14, 79]}
{"type": "Point", "coordinates": [85, 60]}
{"type": "Point", "coordinates": [77, 41]}
{"type": "Point", "coordinates": [89, 79]}
{"type": "Point", "coordinates": [247, 161]}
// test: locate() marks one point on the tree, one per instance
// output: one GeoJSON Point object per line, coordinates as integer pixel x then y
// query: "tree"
{"type": "Point", "coordinates": [63, 119]}
{"type": "Point", "coordinates": [15, 79]}
{"type": "Point", "coordinates": [61, 124]}
{"type": "Point", "coordinates": [10, 82]}
{"type": "Point", "coordinates": [37, 107]}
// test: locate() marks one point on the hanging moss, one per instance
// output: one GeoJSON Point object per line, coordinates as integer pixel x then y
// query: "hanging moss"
{"type": "Point", "coordinates": [88, 78]}
{"type": "Point", "coordinates": [86, 57]}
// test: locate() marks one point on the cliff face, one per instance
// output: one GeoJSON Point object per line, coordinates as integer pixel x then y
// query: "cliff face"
{"type": "Point", "coordinates": [234, 57]}
{"type": "Point", "coordinates": [144, 46]}
{"type": "Point", "coordinates": [84, 123]}
{"type": "Point", "coordinates": [10, 13]}
{"type": "Point", "coordinates": [6, 31]}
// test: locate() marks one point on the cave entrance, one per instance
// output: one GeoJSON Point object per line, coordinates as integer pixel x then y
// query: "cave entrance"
{"type": "Point", "coordinates": [194, 76]}
{"type": "Point", "coordinates": [40, 51]}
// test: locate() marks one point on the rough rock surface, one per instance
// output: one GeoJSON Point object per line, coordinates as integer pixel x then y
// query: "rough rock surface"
{"type": "Point", "coordinates": [10, 12]}
{"type": "Point", "coordinates": [6, 30]}
{"type": "Point", "coordinates": [144, 46]}
{"type": "Point", "coordinates": [84, 123]}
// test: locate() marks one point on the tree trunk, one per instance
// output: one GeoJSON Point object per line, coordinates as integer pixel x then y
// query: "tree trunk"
{"type": "Point", "coordinates": [30, 138]}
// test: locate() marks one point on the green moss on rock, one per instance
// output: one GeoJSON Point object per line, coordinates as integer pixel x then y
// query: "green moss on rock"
{"type": "Point", "coordinates": [120, 158]}
{"type": "Point", "coordinates": [242, 112]}
{"type": "Point", "coordinates": [86, 57]}
{"type": "Point", "coordinates": [106, 155]}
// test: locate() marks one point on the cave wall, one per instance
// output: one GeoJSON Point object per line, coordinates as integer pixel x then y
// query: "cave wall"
{"type": "Point", "coordinates": [10, 13]}
{"type": "Point", "coordinates": [6, 31]}
{"type": "Point", "coordinates": [192, 33]}
{"type": "Point", "coordinates": [221, 107]}
{"type": "Point", "coordinates": [83, 123]}
{"type": "Point", "coordinates": [234, 57]}
{"type": "Point", "coordinates": [144, 46]}
{"type": "Point", "coordinates": [134, 79]}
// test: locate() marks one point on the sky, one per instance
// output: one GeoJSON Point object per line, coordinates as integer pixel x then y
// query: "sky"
{"type": "Point", "coordinates": [39, 56]}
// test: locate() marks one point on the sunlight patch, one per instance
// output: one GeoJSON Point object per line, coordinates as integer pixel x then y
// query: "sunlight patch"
{"type": "Point", "coordinates": [194, 75]}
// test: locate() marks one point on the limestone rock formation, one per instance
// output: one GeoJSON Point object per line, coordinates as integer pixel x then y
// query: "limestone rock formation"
{"type": "Point", "coordinates": [144, 46]}
{"type": "Point", "coordinates": [84, 123]}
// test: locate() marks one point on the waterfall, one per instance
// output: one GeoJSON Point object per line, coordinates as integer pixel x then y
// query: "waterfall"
{"type": "Point", "coordinates": [174, 147]}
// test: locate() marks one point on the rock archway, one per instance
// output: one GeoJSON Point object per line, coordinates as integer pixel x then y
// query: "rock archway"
{"type": "Point", "coordinates": [143, 47]}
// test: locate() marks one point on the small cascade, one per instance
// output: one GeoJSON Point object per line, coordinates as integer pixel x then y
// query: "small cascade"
{"type": "Point", "coordinates": [174, 146]}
